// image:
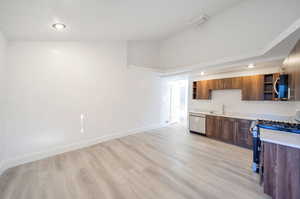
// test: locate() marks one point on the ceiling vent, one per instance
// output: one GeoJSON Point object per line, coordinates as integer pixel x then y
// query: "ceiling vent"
{"type": "Point", "coordinates": [198, 21]}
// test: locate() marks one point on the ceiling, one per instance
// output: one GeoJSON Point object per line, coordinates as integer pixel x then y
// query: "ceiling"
{"type": "Point", "coordinates": [102, 19]}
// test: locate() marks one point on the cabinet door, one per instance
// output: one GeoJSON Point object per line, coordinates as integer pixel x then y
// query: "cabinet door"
{"type": "Point", "coordinates": [218, 128]}
{"type": "Point", "coordinates": [210, 126]}
{"type": "Point", "coordinates": [253, 87]}
{"type": "Point", "coordinates": [243, 135]}
{"type": "Point", "coordinates": [217, 84]}
{"type": "Point", "coordinates": [203, 91]}
{"type": "Point", "coordinates": [228, 130]}
{"type": "Point", "coordinates": [227, 83]}
{"type": "Point", "coordinates": [270, 153]}
{"type": "Point", "coordinates": [237, 83]}
{"type": "Point", "coordinates": [232, 83]}
{"type": "Point", "coordinates": [281, 171]}
{"type": "Point", "coordinates": [287, 173]}
{"type": "Point", "coordinates": [213, 127]}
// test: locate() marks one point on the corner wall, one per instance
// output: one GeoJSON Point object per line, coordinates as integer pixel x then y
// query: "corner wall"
{"type": "Point", "coordinates": [52, 83]}
{"type": "Point", "coordinates": [2, 95]}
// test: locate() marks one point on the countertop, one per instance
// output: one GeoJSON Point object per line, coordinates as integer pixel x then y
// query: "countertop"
{"type": "Point", "coordinates": [245, 116]}
{"type": "Point", "coordinates": [236, 116]}
{"type": "Point", "coordinates": [267, 135]}
{"type": "Point", "coordinates": [280, 137]}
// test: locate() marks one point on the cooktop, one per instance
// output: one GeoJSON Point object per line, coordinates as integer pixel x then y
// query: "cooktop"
{"type": "Point", "coordinates": [291, 127]}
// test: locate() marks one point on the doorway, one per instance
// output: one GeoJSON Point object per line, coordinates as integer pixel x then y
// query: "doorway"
{"type": "Point", "coordinates": [178, 101]}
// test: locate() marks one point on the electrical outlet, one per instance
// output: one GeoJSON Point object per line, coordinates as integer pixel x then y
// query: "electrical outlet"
{"type": "Point", "coordinates": [82, 123]}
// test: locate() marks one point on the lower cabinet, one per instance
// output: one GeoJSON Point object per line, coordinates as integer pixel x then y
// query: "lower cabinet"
{"type": "Point", "coordinates": [213, 126]}
{"type": "Point", "coordinates": [209, 126]}
{"type": "Point", "coordinates": [229, 130]}
{"type": "Point", "coordinates": [243, 134]}
{"type": "Point", "coordinates": [281, 173]}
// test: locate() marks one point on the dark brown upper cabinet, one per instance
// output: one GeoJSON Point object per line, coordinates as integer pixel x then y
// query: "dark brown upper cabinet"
{"type": "Point", "coordinates": [232, 83]}
{"type": "Point", "coordinates": [253, 87]}
{"type": "Point", "coordinates": [217, 84]}
{"type": "Point", "coordinates": [227, 83]}
{"type": "Point", "coordinates": [292, 68]}
{"type": "Point", "coordinates": [237, 83]}
{"type": "Point", "coordinates": [203, 89]}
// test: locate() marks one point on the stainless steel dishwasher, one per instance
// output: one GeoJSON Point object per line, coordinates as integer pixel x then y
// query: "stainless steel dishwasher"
{"type": "Point", "coordinates": [197, 123]}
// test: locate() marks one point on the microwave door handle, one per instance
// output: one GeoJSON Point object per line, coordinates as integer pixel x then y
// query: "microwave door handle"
{"type": "Point", "coordinates": [274, 86]}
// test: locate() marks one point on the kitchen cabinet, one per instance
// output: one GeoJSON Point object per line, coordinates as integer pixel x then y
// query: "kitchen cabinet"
{"type": "Point", "coordinates": [269, 158]}
{"type": "Point", "coordinates": [203, 89]}
{"type": "Point", "coordinates": [243, 135]}
{"type": "Point", "coordinates": [292, 68]}
{"type": "Point", "coordinates": [217, 84]}
{"type": "Point", "coordinates": [232, 83]}
{"type": "Point", "coordinates": [218, 126]}
{"type": "Point", "coordinates": [237, 83]}
{"type": "Point", "coordinates": [229, 130]}
{"type": "Point", "coordinates": [281, 171]}
{"type": "Point", "coordinates": [253, 87]}
{"type": "Point", "coordinates": [268, 86]}
{"type": "Point", "coordinates": [256, 87]}
{"type": "Point", "coordinates": [212, 126]}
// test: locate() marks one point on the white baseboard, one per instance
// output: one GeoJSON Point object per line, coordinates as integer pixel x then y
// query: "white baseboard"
{"type": "Point", "coordinates": [6, 164]}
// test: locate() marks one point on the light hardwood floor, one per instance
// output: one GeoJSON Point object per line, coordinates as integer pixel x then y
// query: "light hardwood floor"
{"type": "Point", "coordinates": [167, 163]}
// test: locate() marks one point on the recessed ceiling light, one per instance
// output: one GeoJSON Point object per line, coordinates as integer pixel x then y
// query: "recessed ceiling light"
{"type": "Point", "coordinates": [251, 66]}
{"type": "Point", "coordinates": [202, 73]}
{"type": "Point", "coordinates": [59, 26]}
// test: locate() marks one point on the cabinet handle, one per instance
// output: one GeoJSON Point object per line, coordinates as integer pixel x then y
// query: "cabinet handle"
{"type": "Point", "coordinates": [274, 86]}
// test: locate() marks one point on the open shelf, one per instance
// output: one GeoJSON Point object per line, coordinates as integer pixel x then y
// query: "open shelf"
{"type": "Point", "coordinates": [269, 80]}
{"type": "Point", "coordinates": [194, 90]}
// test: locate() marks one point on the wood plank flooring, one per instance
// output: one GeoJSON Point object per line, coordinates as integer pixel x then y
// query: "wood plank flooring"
{"type": "Point", "coordinates": [167, 163]}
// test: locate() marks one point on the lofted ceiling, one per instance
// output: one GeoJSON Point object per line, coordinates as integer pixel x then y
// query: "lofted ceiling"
{"type": "Point", "coordinates": [102, 19]}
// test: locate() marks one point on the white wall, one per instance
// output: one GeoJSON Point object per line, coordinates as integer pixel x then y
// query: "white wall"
{"type": "Point", "coordinates": [241, 30]}
{"type": "Point", "coordinates": [51, 84]}
{"type": "Point", "coordinates": [298, 105]}
{"type": "Point", "coordinates": [233, 103]}
{"type": "Point", "coordinates": [144, 53]}
{"type": "Point", "coordinates": [2, 94]}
